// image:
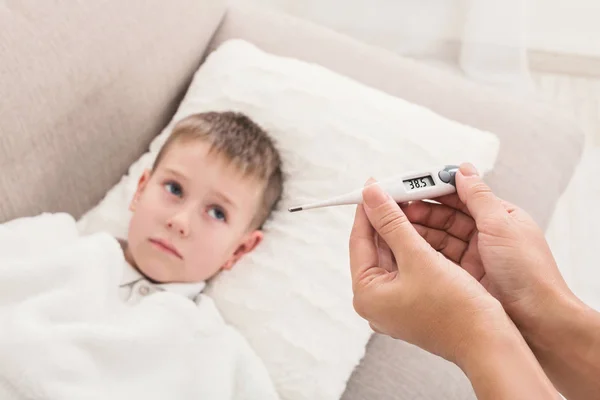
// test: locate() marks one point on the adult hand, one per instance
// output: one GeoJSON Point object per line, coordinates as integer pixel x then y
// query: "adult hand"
{"type": "Point", "coordinates": [503, 248]}
{"type": "Point", "coordinates": [408, 290]}
{"type": "Point", "coordinates": [496, 242]}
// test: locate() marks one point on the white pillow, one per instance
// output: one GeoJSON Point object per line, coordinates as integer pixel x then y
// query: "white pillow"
{"type": "Point", "coordinates": [291, 298]}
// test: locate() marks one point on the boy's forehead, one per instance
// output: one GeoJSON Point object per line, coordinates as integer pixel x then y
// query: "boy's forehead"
{"type": "Point", "coordinates": [196, 161]}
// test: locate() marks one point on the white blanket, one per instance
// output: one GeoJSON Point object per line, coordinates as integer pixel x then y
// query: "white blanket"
{"type": "Point", "coordinates": [64, 333]}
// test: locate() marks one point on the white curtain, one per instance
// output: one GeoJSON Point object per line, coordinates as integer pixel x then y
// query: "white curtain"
{"type": "Point", "coordinates": [494, 43]}
{"type": "Point", "coordinates": [486, 39]}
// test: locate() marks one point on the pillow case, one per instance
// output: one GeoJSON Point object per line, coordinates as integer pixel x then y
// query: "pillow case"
{"type": "Point", "coordinates": [291, 298]}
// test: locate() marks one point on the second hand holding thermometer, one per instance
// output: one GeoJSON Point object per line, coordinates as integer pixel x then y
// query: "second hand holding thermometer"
{"type": "Point", "coordinates": [427, 184]}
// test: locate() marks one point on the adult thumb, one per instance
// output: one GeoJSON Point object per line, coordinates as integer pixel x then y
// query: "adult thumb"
{"type": "Point", "coordinates": [390, 222]}
{"type": "Point", "coordinates": [476, 194]}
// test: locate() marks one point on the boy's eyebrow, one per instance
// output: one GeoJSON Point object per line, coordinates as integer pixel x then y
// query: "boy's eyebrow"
{"type": "Point", "coordinates": [226, 199]}
{"type": "Point", "coordinates": [175, 172]}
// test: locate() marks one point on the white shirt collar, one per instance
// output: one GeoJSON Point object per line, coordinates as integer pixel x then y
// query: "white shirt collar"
{"type": "Point", "coordinates": [190, 290]}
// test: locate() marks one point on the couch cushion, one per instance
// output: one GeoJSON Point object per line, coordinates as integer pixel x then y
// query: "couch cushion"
{"type": "Point", "coordinates": [75, 75]}
{"type": "Point", "coordinates": [395, 370]}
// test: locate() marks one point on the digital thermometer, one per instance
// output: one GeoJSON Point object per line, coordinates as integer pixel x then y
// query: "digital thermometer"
{"type": "Point", "coordinates": [427, 184]}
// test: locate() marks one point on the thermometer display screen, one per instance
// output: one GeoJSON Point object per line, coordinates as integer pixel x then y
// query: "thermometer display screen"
{"type": "Point", "coordinates": [418, 183]}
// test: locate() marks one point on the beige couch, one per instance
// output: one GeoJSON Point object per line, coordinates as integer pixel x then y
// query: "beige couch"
{"type": "Point", "coordinates": [85, 86]}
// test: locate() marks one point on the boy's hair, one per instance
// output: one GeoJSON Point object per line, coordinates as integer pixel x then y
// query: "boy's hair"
{"type": "Point", "coordinates": [242, 142]}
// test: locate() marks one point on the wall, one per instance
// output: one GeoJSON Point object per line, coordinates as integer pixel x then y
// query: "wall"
{"type": "Point", "coordinates": [421, 28]}
{"type": "Point", "coordinates": [565, 26]}
{"type": "Point", "coordinates": [404, 26]}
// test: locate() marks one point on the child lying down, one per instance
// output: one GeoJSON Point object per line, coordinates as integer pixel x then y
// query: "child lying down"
{"type": "Point", "coordinates": [73, 328]}
{"type": "Point", "coordinates": [202, 206]}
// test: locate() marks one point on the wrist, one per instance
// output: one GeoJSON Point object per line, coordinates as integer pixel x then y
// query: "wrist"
{"type": "Point", "coordinates": [566, 341]}
{"type": "Point", "coordinates": [559, 317]}
{"type": "Point", "coordinates": [496, 336]}
{"type": "Point", "coordinates": [500, 365]}
{"type": "Point", "coordinates": [569, 331]}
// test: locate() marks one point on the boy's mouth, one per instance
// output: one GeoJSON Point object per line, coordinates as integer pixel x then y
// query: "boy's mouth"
{"type": "Point", "coordinates": [166, 247]}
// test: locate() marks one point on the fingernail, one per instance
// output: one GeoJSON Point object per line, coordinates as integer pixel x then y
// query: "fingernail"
{"type": "Point", "coordinates": [468, 169]}
{"type": "Point", "coordinates": [370, 180]}
{"type": "Point", "coordinates": [373, 196]}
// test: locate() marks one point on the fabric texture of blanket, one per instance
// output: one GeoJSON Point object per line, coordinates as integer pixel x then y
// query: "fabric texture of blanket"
{"type": "Point", "coordinates": [66, 335]}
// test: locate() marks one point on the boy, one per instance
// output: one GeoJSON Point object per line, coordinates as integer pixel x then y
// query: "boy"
{"type": "Point", "coordinates": [202, 205]}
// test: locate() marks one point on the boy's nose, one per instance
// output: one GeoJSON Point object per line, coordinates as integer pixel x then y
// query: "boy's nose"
{"type": "Point", "coordinates": [178, 226]}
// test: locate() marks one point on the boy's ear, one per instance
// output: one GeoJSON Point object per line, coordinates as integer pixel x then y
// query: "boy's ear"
{"type": "Point", "coordinates": [142, 183]}
{"type": "Point", "coordinates": [249, 243]}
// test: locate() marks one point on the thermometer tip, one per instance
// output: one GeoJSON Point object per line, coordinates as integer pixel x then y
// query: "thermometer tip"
{"type": "Point", "coordinates": [294, 209]}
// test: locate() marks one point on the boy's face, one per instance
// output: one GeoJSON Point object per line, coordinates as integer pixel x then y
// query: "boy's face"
{"type": "Point", "coordinates": [192, 216]}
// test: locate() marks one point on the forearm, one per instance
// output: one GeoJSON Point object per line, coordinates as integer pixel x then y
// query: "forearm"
{"type": "Point", "coordinates": [566, 341]}
{"type": "Point", "coordinates": [502, 366]}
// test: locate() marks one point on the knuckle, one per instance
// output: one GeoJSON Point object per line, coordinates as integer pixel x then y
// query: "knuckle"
{"type": "Point", "coordinates": [374, 328]}
{"type": "Point", "coordinates": [360, 307]}
{"type": "Point", "coordinates": [444, 242]}
{"type": "Point", "coordinates": [480, 190]}
{"type": "Point", "coordinates": [391, 221]}
{"type": "Point", "coordinates": [357, 239]}
{"type": "Point", "coordinates": [450, 221]}
{"type": "Point", "coordinates": [472, 232]}
{"type": "Point", "coordinates": [354, 240]}
{"type": "Point", "coordinates": [428, 213]}
{"type": "Point", "coordinates": [424, 232]}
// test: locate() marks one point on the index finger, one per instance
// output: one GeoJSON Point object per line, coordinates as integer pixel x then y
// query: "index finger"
{"type": "Point", "coordinates": [363, 250]}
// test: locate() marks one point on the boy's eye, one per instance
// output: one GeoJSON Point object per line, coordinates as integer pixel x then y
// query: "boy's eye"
{"type": "Point", "coordinates": [217, 213]}
{"type": "Point", "coordinates": [174, 188]}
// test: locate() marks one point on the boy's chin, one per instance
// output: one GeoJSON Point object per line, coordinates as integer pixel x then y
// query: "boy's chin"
{"type": "Point", "coordinates": [153, 272]}
{"type": "Point", "coordinates": [162, 275]}
{"type": "Point", "coordinates": [154, 276]}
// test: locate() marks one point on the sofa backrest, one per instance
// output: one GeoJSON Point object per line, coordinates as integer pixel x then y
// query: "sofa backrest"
{"type": "Point", "coordinates": [85, 86]}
